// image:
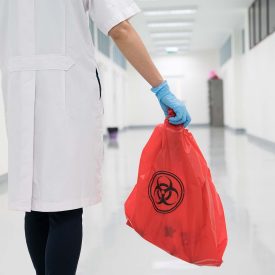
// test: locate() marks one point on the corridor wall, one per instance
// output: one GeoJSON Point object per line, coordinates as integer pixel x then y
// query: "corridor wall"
{"type": "Point", "coordinates": [3, 137]}
{"type": "Point", "coordinates": [114, 83]}
{"type": "Point", "coordinates": [249, 86]}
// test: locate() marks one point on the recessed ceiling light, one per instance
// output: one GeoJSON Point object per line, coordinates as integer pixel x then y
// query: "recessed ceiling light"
{"type": "Point", "coordinates": [170, 12]}
{"type": "Point", "coordinates": [174, 42]}
{"type": "Point", "coordinates": [170, 34]}
{"type": "Point", "coordinates": [164, 52]}
{"type": "Point", "coordinates": [169, 24]}
{"type": "Point", "coordinates": [171, 49]}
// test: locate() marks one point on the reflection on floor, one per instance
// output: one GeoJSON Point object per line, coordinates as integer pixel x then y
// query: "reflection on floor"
{"type": "Point", "coordinates": [244, 174]}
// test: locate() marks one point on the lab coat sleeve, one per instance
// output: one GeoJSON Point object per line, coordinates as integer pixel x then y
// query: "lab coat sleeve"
{"type": "Point", "coordinates": [108, 13]}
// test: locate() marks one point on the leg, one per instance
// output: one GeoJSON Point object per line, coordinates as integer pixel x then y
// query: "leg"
{"type": "Point", "coordinates": [64, 242]}
{"type": "Point", "coordinates": [36, 233]}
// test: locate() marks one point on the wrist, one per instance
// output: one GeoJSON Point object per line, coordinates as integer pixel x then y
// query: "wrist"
{"type": "Point", "coordinates": [161, 90]}
{"type": "Point", "coordinates": [157, 88]}
{"type": "Point", "coordinates": [156, 82]}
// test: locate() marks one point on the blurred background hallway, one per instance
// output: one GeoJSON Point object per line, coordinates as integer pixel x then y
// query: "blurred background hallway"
{"type": "Point", "coordinates": [219, 58]}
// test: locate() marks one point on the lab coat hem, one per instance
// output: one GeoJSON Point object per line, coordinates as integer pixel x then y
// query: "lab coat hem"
{"type": "Point", "coordinates": [122, 14]}
{"type": "Point", "coordinates": [19, 206]}
{"type": "Point", "coordinates": [54, 207]}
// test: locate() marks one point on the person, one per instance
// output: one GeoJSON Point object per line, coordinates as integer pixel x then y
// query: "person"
{"type": "Point", "coordinates": [54, 110]}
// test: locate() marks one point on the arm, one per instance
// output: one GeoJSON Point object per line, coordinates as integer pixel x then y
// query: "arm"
{"type": "Point", "coordinates": [132, 47]}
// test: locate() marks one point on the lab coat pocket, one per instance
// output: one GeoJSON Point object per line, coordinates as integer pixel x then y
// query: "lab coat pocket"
{"type": "Point", "coordinates": [100, 93]}
{"type": "Point", "coordinates": [83, 93]}
{"type": "Point", "coordinates": [99, 84]}
{"type": "Point", "coordinates": [29, 76]}
{"type": "Point", "coordinates": [22, 73]}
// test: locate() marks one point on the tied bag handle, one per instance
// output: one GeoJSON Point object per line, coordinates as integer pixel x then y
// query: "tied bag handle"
{"type": "Point", "coordinates": [171, 113]}
{"type": "Point", "coordinates": [168, 125]}
{"type": "Point", "coordinates": [179, 129]}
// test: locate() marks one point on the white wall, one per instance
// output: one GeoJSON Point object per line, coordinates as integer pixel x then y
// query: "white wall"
{"type": "Point", "coordinates": [249, 87]}
{"type": "Point", "coordinates": [187, 76]}
{"type": "Point", "coordinates": [141, 104]}
{"type": "Point", "coordinates": [3, 138]}
{"type": "Point", "coordinates": [259, 88]}
{"type": "Point", "coordinates": [232, 85]}
{"type": "Point", "coordinates": [114, 83]}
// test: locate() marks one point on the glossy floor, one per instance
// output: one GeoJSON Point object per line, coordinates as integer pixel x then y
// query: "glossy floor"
{"type": "Point", "coordinates": [244, 173]}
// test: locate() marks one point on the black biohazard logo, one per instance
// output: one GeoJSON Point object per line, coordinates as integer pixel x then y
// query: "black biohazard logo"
{"type": "Point", "coordinates": [166, 191]}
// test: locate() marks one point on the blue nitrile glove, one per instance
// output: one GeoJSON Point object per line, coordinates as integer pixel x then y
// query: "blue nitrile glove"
{"type": "Point", "coordinates": [168, 100]}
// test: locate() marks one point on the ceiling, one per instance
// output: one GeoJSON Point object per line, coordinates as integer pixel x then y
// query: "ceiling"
{"type": "Point", "coordinates": [199, 24]}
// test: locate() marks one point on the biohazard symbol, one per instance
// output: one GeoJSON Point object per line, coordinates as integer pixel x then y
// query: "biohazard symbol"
{"type": "Point", "coordinates": [166, 191]}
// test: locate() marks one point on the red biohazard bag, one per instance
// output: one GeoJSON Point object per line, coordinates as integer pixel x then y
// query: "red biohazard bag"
{"type": "Point", "coordinates": [174, 204]}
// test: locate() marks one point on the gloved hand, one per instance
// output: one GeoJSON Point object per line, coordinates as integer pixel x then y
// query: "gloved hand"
{"type": "Point", "coordinates": [168, 100]}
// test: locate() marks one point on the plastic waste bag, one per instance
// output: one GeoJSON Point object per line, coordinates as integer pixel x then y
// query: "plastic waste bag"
{"type": "Point", "coordinates": [174, 204]}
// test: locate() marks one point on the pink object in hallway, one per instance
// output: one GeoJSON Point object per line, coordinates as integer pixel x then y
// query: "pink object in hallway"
{"type": "Point", "coordinates": [213, 75]}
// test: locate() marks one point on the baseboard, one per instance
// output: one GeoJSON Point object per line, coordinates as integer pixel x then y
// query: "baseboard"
{"type": "Point", "coordinates": [266, 144]}
{"type": "Point", "coordinates": [3, 178]}
{"type": "Point", "coordinates": [235, 130]}
{"type": "Point", "coordinates": [137, 127]}
{"type": "Point", "coordinates": [144, 127]}
{"type": "Point", "coordinates": [200, 125]}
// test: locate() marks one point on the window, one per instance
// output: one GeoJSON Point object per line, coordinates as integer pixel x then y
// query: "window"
{"type": "Point", "coordinates": [257, 21]}
{"type": "Point", "coordinates": [251, 26]}
{"type": "Point", "coordinates": [264, 21]}
{"type": "Point", "coordinates": [103, 43]}
{"type": "Point", "coordinates": [226, 52]}
{"type": "Point", "coordinates": [243, 41]}
{"type": "Point", "coordinates": [261, 20]}
{"type": "Point", "coordinates": [91, 25]}
{"type": "Point", "coordinates": [118, 57]}
{"type": "Point", "coordinates": [271, 16]}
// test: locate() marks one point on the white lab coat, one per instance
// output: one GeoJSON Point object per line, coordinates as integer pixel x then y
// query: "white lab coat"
{"type": "Point", "coordinates": [52, 100]}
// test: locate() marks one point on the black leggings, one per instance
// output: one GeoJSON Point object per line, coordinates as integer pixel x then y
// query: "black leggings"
{"type": "Point", "coordinates": [54, 241]}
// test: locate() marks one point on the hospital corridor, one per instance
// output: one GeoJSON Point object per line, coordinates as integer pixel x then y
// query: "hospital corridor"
{"type": "Point", "coordinates": [83, 125]}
